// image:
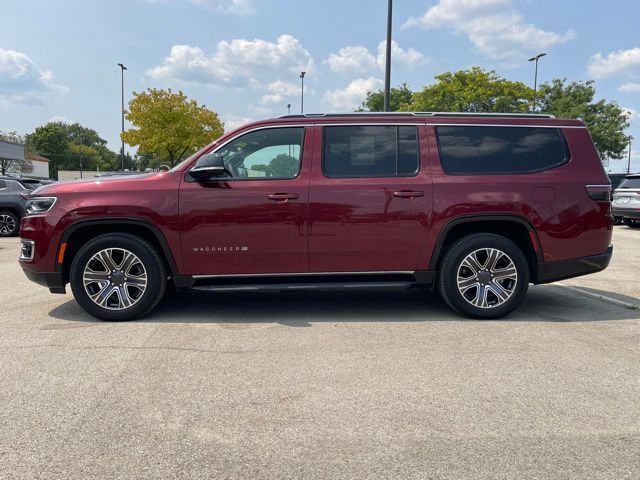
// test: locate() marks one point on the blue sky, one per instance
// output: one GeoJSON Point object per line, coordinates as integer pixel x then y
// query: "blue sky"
{"type": "Point", "coordinates": [242, 58]}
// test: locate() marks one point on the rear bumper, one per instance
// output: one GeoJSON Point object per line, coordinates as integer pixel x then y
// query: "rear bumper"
{"type": "Point", "coordinates": [575, 267]}
{"type": "Point", "coordinates": [52, 280]}
{"type": "Point", "coordinates": [626, 212]}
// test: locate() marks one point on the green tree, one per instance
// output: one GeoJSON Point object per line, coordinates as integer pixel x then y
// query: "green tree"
{"type": "Point", "coordinates": [283, 166]}
{"type": "Point", "coordinates": [170, 124]}
{"type": "Point", "coordinates": [400, 98]}
{"type": "Point", "coordinates": [606, 120]}
{"type": "Point", "coordinates": [472, 90]}
{"type": "Point", "coordinates": [68, 146]}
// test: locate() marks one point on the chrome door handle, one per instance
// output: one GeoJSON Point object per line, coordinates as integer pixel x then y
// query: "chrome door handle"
{"type": "Point", "coordinates": [408, 194]}
{"type": "Point", "coordinates": [282, 197]}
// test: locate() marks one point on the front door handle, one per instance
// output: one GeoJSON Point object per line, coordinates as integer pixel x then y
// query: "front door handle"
{"type": "Point", "coordinates": [282, 197]}
{"type": "Point", "coordinates": [408, 194]}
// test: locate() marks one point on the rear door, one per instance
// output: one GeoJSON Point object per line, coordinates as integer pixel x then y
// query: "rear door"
{"type": "Point", "coordinates": [370, 198]}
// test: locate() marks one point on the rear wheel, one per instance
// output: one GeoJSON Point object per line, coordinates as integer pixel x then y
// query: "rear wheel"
{"type": "Point", "coordinates": [632, 222]}
{"type": "Point", "coordinates": [118, 276]}
{"type": "Point", "coordinates": [483, 276]}
{"type": "Point", "coordinates": [9, 224]}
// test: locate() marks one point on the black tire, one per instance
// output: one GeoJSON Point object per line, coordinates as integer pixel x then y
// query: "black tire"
{"type": "Point", "coordinates": [9, 224]}
{"type": "Point", "coordinates": [632, 222]}
{"type": "Point", "coordinates": [452, 265]}
{"type": "Point", "coordinates": [148, 262]}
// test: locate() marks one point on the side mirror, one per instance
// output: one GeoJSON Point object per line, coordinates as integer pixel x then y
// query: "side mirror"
{"type": "Point", "coordinates": [207, 166]}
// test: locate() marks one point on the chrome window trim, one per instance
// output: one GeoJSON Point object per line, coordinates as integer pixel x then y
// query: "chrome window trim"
{"type": "Point", "coordinates": [433, 124]}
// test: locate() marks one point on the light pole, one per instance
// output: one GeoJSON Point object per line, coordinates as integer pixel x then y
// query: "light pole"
{"type": "Point", "coordinates": [535, 79]}
{"type": "Point", "coordinates": [288, 108]}
{"type": "Point", "coordinates": [122, 69]}
{"type": "Point", "coordinates": [387, 69]}
{"type": "Point", "coordinates": [629, 161]}
{"type": "Point", "coordinates": [302, 74]}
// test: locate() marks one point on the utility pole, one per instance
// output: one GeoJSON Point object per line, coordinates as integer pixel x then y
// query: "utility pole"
{"type": "Point", "coordinates": [387, 69]}
{"type": "Point", "coordinates": [629, 161]}
{"type": "Point", "coordinates": [302, 74]}
{"type": "Point", "coordinates": [288, 109]}
{"type": "Point", "coordinates": [535, 78]}
{"type": "Point", "coordinates": [122, 69]}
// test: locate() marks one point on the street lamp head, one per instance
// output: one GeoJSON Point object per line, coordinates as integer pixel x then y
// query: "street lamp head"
{"type": "Point", "coordinates": [302, 74]}
{"type": "Point", "coordinates": [533, 59]}
{"type": "Point", "coordinates": [122, 66]}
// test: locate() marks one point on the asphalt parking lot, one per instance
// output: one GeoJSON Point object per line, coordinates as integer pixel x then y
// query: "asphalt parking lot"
{"type": "Point", "coordinates": [324, 385]}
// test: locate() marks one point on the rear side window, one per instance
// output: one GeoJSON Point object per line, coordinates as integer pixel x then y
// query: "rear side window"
{"type": "Point", "coordinates": [370, 151]}
{"type": "Point", "coordinates": [483, 150]}
{"type": "Point", "coordinates": [630, 183]}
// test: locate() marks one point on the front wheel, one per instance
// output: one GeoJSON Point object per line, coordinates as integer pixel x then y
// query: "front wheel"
{"type": "Point", "coordinates": [118, 276]}
{"type": "Point", "coordinates": [483, 276]}
{"type": "Point", "coordinates": [9, 224]}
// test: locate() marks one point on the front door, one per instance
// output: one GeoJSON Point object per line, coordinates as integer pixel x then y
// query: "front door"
{"type": "Point", "coordinates": [253, 220]}
{"type": "Point", "coordinates": [370, 200]}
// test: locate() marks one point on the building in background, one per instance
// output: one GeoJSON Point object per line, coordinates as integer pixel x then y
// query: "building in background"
{"type": "Point", "coordinates": [15, 161]}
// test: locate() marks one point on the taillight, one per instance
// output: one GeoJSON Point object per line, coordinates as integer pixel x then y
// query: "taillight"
{"type": "Point", "coordinates": [599, 193]}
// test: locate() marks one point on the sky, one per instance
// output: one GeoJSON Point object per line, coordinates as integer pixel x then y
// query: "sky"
{"type": "Point", "coordinates": [242, 58]}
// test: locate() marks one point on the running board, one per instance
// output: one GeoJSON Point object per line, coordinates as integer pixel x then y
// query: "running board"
{"type": "Point", "coordinates": [281, 287]}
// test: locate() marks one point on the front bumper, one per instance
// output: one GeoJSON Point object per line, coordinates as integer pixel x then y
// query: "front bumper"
{"type": "Point", "coordinates": [52, 280]}
{"type": "Point", "coordinates": [574, 267]}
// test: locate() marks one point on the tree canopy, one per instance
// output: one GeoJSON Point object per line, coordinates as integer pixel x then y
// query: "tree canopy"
{"type": "Point", "coordinates": [170, 124]}
{"type": "Point", "coordinates": [71, 147]}
{"type": "Point", "coordinates": [606, 120]}
{"type": "Point", "coordinates": [477, 90]}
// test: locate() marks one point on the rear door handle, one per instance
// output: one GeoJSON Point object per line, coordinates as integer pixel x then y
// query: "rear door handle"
{"type": "Point", "coordinates": [408, 194]}
{"type": "Point", "coordinates": [282, 197]}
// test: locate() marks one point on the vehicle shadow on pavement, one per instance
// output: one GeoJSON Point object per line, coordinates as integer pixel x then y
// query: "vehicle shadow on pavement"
{"type": "Point", "coordinates": [544, 303]}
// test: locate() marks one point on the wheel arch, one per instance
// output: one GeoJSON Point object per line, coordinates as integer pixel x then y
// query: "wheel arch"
{"type": "Point", "coordinates": [86, 229]}
{"type": "Point", "coordinates": [515, 228]}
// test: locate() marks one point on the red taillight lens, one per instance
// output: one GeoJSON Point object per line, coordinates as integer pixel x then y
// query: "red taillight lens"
{"type": "Point", "coordinates": [599, 193]}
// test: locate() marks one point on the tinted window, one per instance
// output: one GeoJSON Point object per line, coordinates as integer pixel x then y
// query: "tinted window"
{"type": "Point", "coordinates": [630, 183]}
{"type": "Point", "coordinates": [271, 153]}
{"type": "Point", "coordinates": [496, 150]}
{"type": "Point", "coordinates": [370, 151]}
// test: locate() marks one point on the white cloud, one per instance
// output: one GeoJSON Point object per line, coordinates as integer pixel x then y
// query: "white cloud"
{"type": "Point", "coordinates": [235, 61]}
{"type": "Point", "coordinates": [21, 81]}
{"type": "Point", "coordinates": [494, 27]}
{"type": "Point", "coordinates": [59, 119]}
{"type": "Point", "coordinates": [358, 59]}
{"type": "Point", "coordinates": [351, 96]}
{"type": "Point", "coordinates": [630, 87]}
{"type": "Point", "coordinates": [238, 7]}
{"type": "Point", "coordinates": [615, 63]}
{"type": "Point", "coordinates": [231, 122]}
{"type": "Point", "coordinates": [280, 90]}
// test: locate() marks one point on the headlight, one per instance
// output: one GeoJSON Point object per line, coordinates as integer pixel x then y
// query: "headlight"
{"type": "Point", "coordinates": [40, 205]}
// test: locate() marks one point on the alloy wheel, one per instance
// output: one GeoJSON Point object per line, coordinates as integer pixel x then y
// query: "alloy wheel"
{"type": "Point", "coordinates": [115, 279]}
{"type": "Point", "coordinates": [7, 224]}
{"type": "Point", "coordinates": [487, 278]}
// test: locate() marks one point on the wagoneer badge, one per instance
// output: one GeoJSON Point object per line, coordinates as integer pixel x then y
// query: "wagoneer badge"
{"type": "Point", "coordinates": [220, 249]}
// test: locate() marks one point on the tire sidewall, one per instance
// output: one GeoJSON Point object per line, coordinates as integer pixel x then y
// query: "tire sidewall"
{"type": "Point", "coordinates": [156, 276]}
{"type": "Point", "coordinates": [458, 252]}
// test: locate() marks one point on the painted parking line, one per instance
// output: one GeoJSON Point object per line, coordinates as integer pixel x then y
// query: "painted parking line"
{"type": "Point", "coordinates": [604, 298]}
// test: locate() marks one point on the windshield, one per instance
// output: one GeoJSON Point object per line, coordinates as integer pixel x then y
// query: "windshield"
{"type": "Point", "coordinates": [630, 183]}
{"type": "Point", "coordinates": [31, 185]}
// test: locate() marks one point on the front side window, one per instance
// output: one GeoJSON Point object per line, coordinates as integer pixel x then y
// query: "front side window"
{"type": "Point", "coordinates": [271, 153]}
{"type": "Point", "coordinates": [370, 151]}
{"type": "Point", "coordinates": [486, 150]}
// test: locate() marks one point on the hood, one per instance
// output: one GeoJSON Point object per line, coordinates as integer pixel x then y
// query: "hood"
{"type": "Point", "coordinates": [111, 182]}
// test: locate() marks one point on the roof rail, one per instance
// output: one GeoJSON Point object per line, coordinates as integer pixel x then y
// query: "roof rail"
{"type": "Point", "coordinates": [421, 114]}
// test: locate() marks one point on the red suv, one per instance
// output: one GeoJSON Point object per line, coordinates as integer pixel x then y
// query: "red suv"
{"type": "Point", "coordinates": [476, 205]}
